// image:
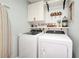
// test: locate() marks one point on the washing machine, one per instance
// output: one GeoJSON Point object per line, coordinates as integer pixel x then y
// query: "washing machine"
{"type": "Point", "coordinates": [28, 44]}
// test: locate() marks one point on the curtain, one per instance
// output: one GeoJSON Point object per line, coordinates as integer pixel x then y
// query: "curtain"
{"type": "Point", "coordinates": [5, 33]}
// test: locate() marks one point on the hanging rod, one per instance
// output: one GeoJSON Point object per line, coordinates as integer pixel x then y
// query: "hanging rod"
{"type": "Point", "coordinates": [5, 5]}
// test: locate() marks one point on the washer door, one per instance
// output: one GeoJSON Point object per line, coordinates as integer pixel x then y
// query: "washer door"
{"type": "Point", "coordinates": [51, 50]}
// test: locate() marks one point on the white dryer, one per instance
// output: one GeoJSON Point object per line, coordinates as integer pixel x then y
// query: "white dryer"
{"type": "Point", "coordinates": [54, 45]}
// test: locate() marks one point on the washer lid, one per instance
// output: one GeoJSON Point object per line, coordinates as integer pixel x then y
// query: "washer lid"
{"type": "Point", "coordinates": [34, 32]}
{"type": "Point", "coordinates": [57, 37]}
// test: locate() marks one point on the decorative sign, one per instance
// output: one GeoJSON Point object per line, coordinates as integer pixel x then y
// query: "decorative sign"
{"type": "Point", "coordinates": [56, 14]}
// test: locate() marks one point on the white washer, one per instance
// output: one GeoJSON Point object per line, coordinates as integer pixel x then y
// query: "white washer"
{"type": "Point", "coordinates": [54, 46]}
{"type": "Point", "coordinates": [28, 45]}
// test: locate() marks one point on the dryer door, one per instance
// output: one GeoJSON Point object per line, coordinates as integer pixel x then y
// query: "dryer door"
{"type": "Point", "coordinates": [51, 50]}
{"type": "Point", "coordinates": [27, 46]}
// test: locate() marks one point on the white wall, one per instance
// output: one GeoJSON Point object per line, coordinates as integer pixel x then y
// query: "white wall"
{"type": "Point", "coordinates": [54, 19]}
{"type": "Point", "coordinates": [48, 18]}
{"type": "Point", "coordinates": [74, 29]}
{"type": "Point", "coordinates": [18, 19]}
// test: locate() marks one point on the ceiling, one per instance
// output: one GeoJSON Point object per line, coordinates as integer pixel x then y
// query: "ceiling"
{"type": "Point", "coordinates": [54, 2]}
{"type": "Point", "coordinates": [32, 1]}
